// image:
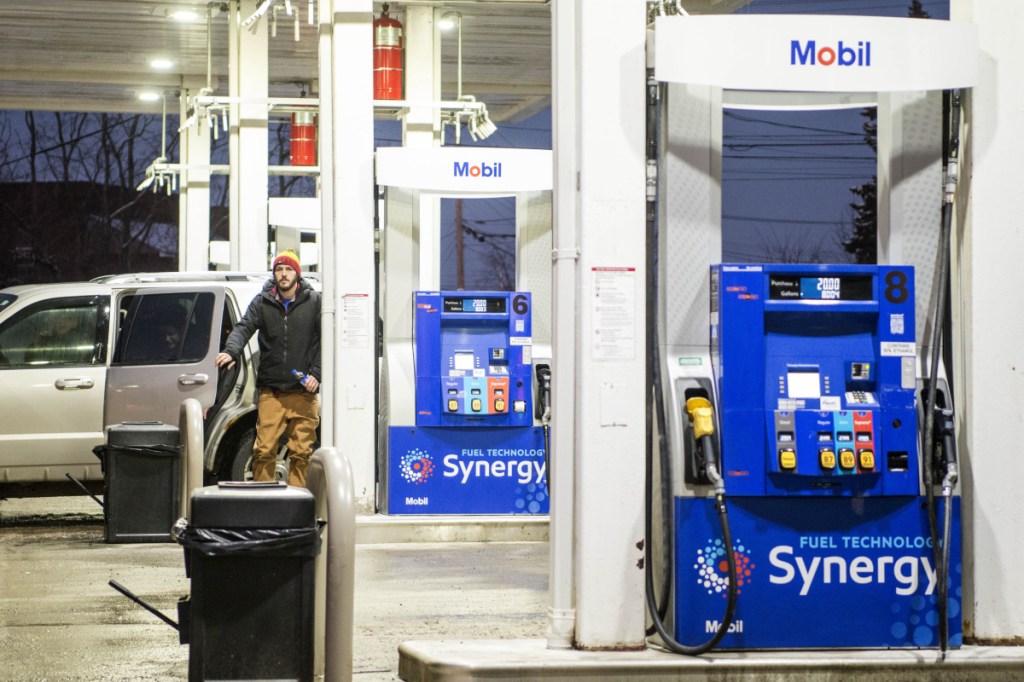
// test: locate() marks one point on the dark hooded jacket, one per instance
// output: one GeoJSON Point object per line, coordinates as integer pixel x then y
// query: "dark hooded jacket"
{"type": "Point", "coordinates": [288, 339]}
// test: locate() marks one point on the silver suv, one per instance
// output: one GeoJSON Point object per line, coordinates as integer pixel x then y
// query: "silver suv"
{"type": "Point", "coordinates": [78, 358]}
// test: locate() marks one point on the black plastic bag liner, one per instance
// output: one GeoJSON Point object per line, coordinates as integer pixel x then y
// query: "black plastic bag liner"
{"type": "Point", "coordinates": [249, 541]}
{"type": "Point", "coordinates": [155, 450]}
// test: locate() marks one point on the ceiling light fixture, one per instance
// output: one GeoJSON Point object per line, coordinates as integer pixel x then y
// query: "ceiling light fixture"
{"type": "Point", "coordinates": [449, 20]}
{"type": "Point", "coordinates": [260, 11]}
{"type": "Point", "coordinates": [160, 63]}
{"type": "Point", "coordinates": [149, 96]}
{"type": "Point", "coordinates": [478, 122]}
{"type": "Point", "coordinates": [183, 15]}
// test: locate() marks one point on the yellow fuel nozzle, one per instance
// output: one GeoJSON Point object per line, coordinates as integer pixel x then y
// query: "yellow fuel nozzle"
{"type": "Point", "coordinates": [701, 414]}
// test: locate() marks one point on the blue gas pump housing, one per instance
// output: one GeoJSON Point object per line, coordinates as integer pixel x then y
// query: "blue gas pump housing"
{"type": "Point", "coordinates": [815, 381]}
{"type": "Point", "coordinates": [473, 448]}
{"type": "Point", "coordinates": [473, 358]}
{"type": "Point", "coordinates": [815, 367]}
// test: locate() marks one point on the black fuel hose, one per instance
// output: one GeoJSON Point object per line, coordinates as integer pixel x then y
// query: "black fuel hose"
{"type": "Point", "coordinates": [941, 549]}
{"type": "Point", "coordinates": [657, 616]}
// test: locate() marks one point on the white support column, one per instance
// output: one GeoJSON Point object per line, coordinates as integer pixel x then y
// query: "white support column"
{"type": "Point", "coordinates": [561, 631]}
{"type": "Point", "coordinates": [610, 353]}
{"type": "Point", "coordinates": [194, 196]}
{"type": "Point", "coordinates": [421, 127]}
{"type": "Point", "coordinates": [348, 202]}
{"type": "Point", "coordinates": [249, 145]}
{"type": "Point", "coordinates": [989, 324]}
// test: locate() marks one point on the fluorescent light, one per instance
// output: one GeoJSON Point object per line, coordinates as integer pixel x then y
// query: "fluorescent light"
{"type": "Point", "coordinates": [183, 15]}
{"type": "Point", "coordinates": [160, 63]}
{"type": "Point", "coordinates": [449, 20]}
{"type": "Point", "coordinates": [149, 96]}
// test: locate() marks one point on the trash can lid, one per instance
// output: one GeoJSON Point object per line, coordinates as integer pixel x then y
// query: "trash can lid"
{"type": "Point", "coordinates": [143, 434]}
{"type": "Point", "coordinates": [237, 504]}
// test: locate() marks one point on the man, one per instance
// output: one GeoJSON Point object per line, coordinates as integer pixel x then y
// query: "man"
{"type": "Point", "coordinates": [287, 316]}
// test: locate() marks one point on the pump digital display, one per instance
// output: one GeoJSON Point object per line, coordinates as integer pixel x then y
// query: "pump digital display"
{"type": "Point", "coordinates": [458, 304]}
{"type": "Point", "coordinates": [463, 361]}
{"type": "Point", "coordinates": [804, 383]}
{"type": "Point", "coordinates": [825, 288]}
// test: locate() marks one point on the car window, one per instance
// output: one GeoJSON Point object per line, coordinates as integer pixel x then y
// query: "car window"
{"type": "Point", "coordinates": [63, 331]}
{"type": "Point", "coordinates": [164, 328]}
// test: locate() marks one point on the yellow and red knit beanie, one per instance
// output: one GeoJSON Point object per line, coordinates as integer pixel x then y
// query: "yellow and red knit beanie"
{"type": "Point", "coordinates": [290, 258]}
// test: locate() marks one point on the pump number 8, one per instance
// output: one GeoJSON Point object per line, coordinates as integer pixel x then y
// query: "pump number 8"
{"type": "Point", "coordinates": [896, 286]}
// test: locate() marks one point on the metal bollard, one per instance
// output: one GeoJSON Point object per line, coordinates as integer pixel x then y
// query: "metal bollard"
{"type": "Point", "coordinates": [330, 480]}
{"type": "Point", "coordinates": [190, 423]}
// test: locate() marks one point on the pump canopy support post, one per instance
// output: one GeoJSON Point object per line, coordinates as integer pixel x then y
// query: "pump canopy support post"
{"type": "Point", "coordinates": [330, 479]}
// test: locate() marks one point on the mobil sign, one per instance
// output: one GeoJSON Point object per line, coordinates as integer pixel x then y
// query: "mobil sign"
{"type": "Point", "coordinates": [815, 53]}
{"type": "Point", "coordinates": [465, 170]}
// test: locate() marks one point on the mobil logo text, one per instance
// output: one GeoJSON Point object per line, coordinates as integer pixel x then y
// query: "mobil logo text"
{"type": "Point", "coordinates": [810, 53]}
{"type": "Point", "coordinates": [463, 169]}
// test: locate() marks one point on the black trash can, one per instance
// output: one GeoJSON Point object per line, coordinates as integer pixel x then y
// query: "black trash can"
{"type": "Point", "coordinates": [141, 465]}
{"type": "Point", "coordinates": [250, 550]}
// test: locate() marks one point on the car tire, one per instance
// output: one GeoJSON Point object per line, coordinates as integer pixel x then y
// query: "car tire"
{"type": "Point", "coordinates": [238, 466]}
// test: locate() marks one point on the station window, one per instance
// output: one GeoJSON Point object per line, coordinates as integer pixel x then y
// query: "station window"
{"type": "Point", "coordinates": [478, 244]}
{"type": "Point", "coordinates": [798, 186]}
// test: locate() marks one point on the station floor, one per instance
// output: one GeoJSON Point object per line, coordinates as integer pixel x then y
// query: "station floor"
{"type": "Point", "coordinates": [436, 599]}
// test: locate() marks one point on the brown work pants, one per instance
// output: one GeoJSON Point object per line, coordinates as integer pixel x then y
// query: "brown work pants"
{"type": "Point", "coordinates": [295, 413]}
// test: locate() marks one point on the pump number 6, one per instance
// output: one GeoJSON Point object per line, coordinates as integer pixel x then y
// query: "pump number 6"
{"type": "Point", "coordinates": [519, 304]}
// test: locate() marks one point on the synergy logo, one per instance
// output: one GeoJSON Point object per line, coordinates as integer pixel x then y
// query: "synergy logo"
{"type": "Point", "coordinates": [416, 466]}
{"type": "Point", "coordinates": [479, 170]}
{"type": "Point", "coordinates": [524, 471]}
{"type": "Point", "coordinates": [906, 572]}
{"type": "Point", "coordinates": [713, 568]}
{"type": "Point", "coordinates": [809, 54]}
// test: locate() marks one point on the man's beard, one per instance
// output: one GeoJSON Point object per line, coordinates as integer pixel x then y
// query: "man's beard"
{"type": "Point", "coordinates": [286, 285]}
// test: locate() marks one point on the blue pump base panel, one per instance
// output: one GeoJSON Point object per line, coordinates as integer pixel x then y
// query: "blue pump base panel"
{"type": "Point", "coordinates": [438, 470]}
{"type": "Point", "coordinates": [815, 573]}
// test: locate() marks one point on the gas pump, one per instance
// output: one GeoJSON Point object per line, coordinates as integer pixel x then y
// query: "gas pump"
{"type": "Point", "coordinates": [474, 448]}
{"type": "Point", "coordinates": [815, 371]}
{"type": "Point", "coordinates": [831, 432]}
{"type": "Point", "coordinates": [459, 426]}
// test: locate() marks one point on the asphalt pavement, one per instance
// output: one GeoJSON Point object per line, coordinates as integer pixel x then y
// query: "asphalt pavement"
{"type": "Point", "coordinates": [436, 599]}
{"type": "Point", "coordinates": [60, 620]}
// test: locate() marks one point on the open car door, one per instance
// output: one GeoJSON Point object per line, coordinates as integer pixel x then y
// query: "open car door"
{"type": "Point", "coordinates": [164, 350]}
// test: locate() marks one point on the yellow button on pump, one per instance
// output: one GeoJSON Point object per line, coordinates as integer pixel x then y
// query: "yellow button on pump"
{"type": "Point", "coordinates": [499, 405]}
{"type": "Point", "coordinates": [827, 458]}
{"type": "Point", "coordinates": [846, 459]}
{"type": "Point", "coordinates": [867, 460]}
{"type": "Point", "coordinates": [787, 460]}
{"type": "Point", "coordinates": [476, 404]}
{"type": "Point", "coordinates": [453, 405]}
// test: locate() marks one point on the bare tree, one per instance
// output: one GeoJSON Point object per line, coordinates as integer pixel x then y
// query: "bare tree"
{"type": "Point", "coordinates": [785, 246]}
{"type": "Point", "coordinates": [862, 240]}
{"type": "Point", "coordinates": [72, 210]}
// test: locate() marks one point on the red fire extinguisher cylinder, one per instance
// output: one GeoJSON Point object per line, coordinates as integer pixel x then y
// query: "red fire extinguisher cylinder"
{"type": "Point", "coordinates": [387, 57]}
{"type": "Point", "coordinates": [302, 150]}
